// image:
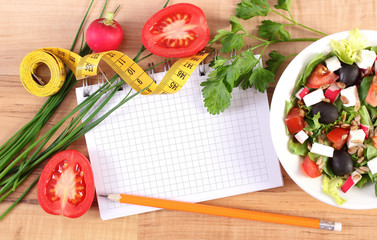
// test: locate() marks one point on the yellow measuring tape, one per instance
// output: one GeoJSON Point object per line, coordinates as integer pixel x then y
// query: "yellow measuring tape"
{"type": "Point", "coordinates": [84, 67]}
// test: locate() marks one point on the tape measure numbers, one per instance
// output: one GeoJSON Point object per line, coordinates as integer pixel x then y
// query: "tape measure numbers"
{"type": "Point", "coordinates": [87, 66]}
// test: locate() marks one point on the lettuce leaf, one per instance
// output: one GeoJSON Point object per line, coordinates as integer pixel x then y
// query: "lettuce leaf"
{"type": "Point", "coordinates": [298, 148]}
{"type": "Point", "coordinates": [331, 187]}
{"type": "Point", "coordinates": [347, 50]}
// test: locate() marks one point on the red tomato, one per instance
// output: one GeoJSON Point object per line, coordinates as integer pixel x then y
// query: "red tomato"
{"type": "Point", "coordinates": [104, 34]}
{"type": "Point", "coordinates": [179, 30]}
{"type": "Point", "coordinates": [310, 167]}
{"type": "Point", "coordinates": [66, 185]}
{"type": "Point", "coordinates": [336, 136]}
{"type": "Point", "coordinates": [294, 121]}
{"type": "Point", "coordinates": [372, 95]}
{"type": "Point", "coordinates": [321, 76]}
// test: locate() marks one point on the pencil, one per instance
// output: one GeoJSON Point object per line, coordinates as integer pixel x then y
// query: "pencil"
{"type": "Point", "coordinates": [225, 211]}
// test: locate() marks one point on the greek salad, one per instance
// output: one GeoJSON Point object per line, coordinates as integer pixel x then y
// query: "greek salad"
{"type": "Point", "coordinates": [332, 116]}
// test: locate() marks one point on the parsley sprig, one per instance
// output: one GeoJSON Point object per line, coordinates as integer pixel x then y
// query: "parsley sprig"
{"type": "Point", "coordinates": [245, 69]}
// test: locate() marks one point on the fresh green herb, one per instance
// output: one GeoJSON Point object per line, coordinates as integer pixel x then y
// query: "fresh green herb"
{"type": "Point", "coordinates": [217, 89]}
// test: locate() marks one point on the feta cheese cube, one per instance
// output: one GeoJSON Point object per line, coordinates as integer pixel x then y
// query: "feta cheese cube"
{"type": "Point", "coordinates": [367, 59]}
{"type": "Point", "coordinates": [351, 95]}
{"type": "Point", "coordinates": [355, 138]}
{"type": "Point", "coordinates": [372, 165]}
{"type": "Point", "coordinates": [301, 136]}
{"type": "Point", "coordinates": [322, 150]}
{"type": "Point", "coordinates": [333, 63]}
{"type": "Point", "coordinates": [313, 97]}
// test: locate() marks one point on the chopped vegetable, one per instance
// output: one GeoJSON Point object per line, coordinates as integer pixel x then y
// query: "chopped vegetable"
{"type": "Point", "coordinates": [321, 76]}
{"type": "Point", "coordinates": [66, 185]}
{"type": "Point", "coordinates": [371, 98]}
{"type": "Point", "coordinates": [338, 136]}
{"type": "Point", "coordinates": [310, 167]}
{"type": "Point", "coordinates": [330, 187]}
{"type": "Point", "coordinates": [104, 34]}
{"type": "Point", "coordinates": [294, 120]}
{"type": "Point", "coordinates": [347, 50]}
{"type": "Point", "coordinates": [179, 30]}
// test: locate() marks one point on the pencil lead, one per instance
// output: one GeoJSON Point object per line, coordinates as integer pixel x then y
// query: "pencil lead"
{"type": "Point", "coordinates": [105, 196]}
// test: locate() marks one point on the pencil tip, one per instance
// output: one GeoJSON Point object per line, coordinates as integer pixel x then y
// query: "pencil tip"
{"type": "Point", "coordinates": [101, 195]}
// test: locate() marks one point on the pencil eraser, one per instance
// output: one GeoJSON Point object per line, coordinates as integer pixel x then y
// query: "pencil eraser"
{"type": "Point", "coordinates": [337, 226]}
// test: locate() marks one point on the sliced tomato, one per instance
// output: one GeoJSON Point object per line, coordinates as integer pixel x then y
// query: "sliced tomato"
{"type": "Point", "coordinates": [310, 167]}
{"type": "Point", "coordinates": [66, 185]}
{"type": "Point", "coordinates": [374, 143]}
{"type": "Point", "coordinates": [321, 75]}
{"type": "Point", "coordinates": [338, 136]}
{"type": "Point", "coordinates": [371, 97]}
{"type": "Point", "coordinates": [294, 121]}
{"type": "Point", "coordinates": [179, 30]}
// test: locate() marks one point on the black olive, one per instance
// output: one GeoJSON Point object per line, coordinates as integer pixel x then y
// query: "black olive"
{"type": "Point", "coordinates": [341, 163]}
{"type": "Point", "coordinates": [349, 74]}
{"type": "Point", "coordinates": [329, 113]}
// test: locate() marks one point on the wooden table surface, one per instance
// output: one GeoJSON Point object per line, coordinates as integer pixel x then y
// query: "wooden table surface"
{"type": "Point", "coordinates": [33, 24]}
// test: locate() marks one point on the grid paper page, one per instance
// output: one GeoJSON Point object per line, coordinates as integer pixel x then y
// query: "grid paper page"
{"type": "Point", "coordinates": [169, 146]}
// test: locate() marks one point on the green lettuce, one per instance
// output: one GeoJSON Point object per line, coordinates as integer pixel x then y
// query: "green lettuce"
{"type": "Point", "coordinates": [331, 187]}
{"type": "Point", "coordinates": [298, 148]}
{"type": "Point", "coordinates": [347, 50]}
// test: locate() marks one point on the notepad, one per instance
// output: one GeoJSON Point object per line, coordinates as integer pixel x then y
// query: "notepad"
{"type": "Point", "coordinates": [170, 147]}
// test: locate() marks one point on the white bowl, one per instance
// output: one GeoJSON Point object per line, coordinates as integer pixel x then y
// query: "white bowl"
{"type": "Point", "coordinates": [356, 198]}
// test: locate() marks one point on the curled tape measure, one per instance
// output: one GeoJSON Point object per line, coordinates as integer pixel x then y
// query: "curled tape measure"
{"type": "Point", "coordinates": [85, 67]}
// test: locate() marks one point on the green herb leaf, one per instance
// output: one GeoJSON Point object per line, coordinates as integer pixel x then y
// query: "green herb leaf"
{"type": "Point", "coordinates": [283, 4]}
{"type": "Point", "coordinates": [220, 34]}
{"type": "Point", "coordinates": [260, 78]}
{"type": "Point", "coordinates": [218, 62]}
{"type": "Point", "coordinates": [273, 31]}
{"type": "Point", "coordinates": [236, 24]}
{"type": "Point", "coordinates": [216, 96]}
{"type": "Point", "coordinates": [232, 41]}
{"type": "Point", "coordinates": [275, 61]}
{"type": "Point", "coordinates": [297, 148]}
{"type": "Point", "coordinates": [251, 8]}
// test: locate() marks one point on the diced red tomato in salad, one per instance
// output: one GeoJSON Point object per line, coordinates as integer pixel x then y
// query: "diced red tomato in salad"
{"type": "Point", "coordinates": [294, 121]}
{"type": "Point", "coordinates": [371, 98]}
{"type": "Point", "coordinates": [310, 167]}
{"type": "Point", "coordinates": [338, 136]}
{"type": "Point", "coordinates": [321, 75]}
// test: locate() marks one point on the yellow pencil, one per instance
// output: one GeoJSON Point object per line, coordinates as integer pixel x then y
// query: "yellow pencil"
{"type": "Point", "coordinates": [225, 211]}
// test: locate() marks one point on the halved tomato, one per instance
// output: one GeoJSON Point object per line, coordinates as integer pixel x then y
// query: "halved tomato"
{"type": "Point", "coordinates": [338, 136]}
{"type": "Point", "coordinates": [321, 75]}
{"type": "Point", "coordinates": [179, 30]}
{"type": "Point", "coordinates": [66, 185]}
{"type": "Point", "coordinates": [310, 167]}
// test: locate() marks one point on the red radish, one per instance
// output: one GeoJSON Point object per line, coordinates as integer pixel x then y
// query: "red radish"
{"type": "Point", "coordinates": [302, 92]}
{"type": "Point", "coordinates": [332, 92]}
{"type": "Point", "coordinates": [365, 128]}
{"type": "Point", "coordinates": [351, 181]}
{"type": "Point", "coordinates": [104, 34]}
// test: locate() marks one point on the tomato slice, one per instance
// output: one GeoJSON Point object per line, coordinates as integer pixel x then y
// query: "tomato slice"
{"type": "Point", "coordinates": [338, 136]}
{"type": "Point", "coordinates": [66, 185]}
{"type": "Point", "coordinates": [310, 167]}
{"type": "Point", "coordinates": [321, 75]}
{"type": "Point", "coordinates": [294, 121]}
{"type": "Point", "coordinates": [179, 30]}
{"type": "Point", "coordinates": [371, 97]}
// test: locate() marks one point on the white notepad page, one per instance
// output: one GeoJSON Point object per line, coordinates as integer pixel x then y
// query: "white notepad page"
{"type": "Point", "coordinates": [169, 146]}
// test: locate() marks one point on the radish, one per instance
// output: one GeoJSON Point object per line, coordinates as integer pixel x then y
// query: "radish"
{"type": "Point", "coordinates": [351, 181]}
{"type": "Point", "coordinates": [104, 34]}
{"type": "Point", "coordinates": [302, 93]}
